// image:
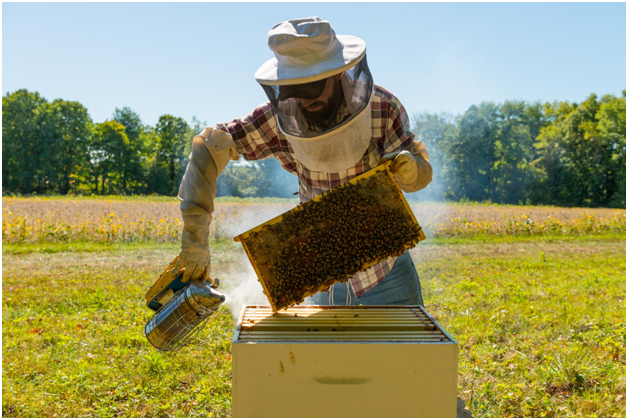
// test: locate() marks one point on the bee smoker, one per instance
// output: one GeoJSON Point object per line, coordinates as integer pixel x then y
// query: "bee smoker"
{"type": "Point", "coordinates": [182, 309]}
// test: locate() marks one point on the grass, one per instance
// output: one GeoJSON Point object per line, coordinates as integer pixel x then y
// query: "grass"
{"type": "Point", "coordinates": [73, 341]}
{"type": "Point", "coordinates": [57, 247]}
{"type": "Point", "coordinates": [540, 322]}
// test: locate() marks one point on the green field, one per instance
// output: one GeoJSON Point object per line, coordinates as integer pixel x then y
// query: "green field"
{"type": "Point", "coordinates": [540, 322]}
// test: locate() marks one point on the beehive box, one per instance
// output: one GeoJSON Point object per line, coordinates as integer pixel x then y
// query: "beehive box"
{"type": "Point", "coordinates": [343, 361]}
{"type": "Point", "coordinates": [331, 237]}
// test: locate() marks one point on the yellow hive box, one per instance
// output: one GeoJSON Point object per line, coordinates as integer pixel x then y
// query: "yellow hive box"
{"type": "Point", "coordinates": [343, 361]}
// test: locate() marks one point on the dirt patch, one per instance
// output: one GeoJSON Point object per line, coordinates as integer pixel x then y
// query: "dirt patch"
{"type": "Point", "coordinates": [565, 390]}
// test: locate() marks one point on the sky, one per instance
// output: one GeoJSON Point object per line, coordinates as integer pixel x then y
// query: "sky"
{"type": "Point", "coordinates": [198, 59]}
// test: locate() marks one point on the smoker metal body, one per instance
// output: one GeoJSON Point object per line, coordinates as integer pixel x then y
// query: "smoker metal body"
{"type": "Point", "coordinates": [183, 316]}
{"type": "Point", "coordinates": [343, 361]}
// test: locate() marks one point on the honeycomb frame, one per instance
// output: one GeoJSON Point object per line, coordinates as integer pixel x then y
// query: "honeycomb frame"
{"type": "Point", "coordinates": [331, 237]}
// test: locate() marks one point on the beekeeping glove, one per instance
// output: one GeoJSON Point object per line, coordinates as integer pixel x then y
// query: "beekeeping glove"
{"type": "Point", "coordinates": [411, 167]}
{"type": "Point", "coordinates": [211, 151]}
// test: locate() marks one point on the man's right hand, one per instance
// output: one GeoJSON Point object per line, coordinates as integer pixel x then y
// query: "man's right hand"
{"type": "Point", "coordinates": [197, 264]}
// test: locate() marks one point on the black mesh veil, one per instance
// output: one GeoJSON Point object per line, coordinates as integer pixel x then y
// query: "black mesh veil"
{"type": "Point", "coordinates": [353, 95]}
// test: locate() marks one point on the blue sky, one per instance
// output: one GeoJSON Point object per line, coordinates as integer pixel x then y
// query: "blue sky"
{"type": "Point", "coordinates": [198, 59]}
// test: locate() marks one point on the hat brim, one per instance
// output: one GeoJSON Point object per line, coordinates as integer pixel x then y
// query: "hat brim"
{"type": "Point", "coordinates": [353, 50]}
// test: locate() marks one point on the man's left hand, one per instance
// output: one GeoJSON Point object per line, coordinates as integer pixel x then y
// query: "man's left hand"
{"type": "Point", "coordinates": [411, 167]}
{"type": "Point", "coordinates": [403, 166]}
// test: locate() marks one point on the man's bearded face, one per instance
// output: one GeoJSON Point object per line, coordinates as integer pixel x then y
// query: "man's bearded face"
{"type": "Point", "coordinates": [321, 110]}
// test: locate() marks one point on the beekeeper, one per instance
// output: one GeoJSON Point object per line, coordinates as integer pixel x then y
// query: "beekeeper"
{"type": "Point", "coordinates": [326, 122]}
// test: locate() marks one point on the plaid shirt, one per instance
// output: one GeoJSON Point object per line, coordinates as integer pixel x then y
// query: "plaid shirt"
{"type": "Point", "coordinates": [258, 137]}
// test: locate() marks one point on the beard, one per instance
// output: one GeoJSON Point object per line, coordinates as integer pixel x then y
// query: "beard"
{"type": "Point", "coordinates": [324, 116]}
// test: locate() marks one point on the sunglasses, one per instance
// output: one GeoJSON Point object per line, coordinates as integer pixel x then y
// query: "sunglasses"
{"type": "Point", "coordinates": [310, 90]}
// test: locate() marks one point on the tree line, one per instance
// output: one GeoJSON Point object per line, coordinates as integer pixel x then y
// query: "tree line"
{"type": "Point", "coordinates": [559, 153]}
{"type": "Point", "coordinates": [56, 148]}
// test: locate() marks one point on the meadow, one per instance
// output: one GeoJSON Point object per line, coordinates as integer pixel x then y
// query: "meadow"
{"type": "Point", "coordinates": [535, 296]}
{"type": "Point", "coordinates": [41, 220]}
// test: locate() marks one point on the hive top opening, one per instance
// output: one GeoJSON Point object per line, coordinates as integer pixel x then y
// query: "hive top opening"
{"type": "Point", "coordinates": [348, 324]}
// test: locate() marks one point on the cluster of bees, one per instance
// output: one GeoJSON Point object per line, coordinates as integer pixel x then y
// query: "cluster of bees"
{"type": "Point", "coordinates": [322, 242]}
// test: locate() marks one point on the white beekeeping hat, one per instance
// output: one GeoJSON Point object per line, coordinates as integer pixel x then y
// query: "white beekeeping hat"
{"type": "Point", "coordinates": [307, 50]}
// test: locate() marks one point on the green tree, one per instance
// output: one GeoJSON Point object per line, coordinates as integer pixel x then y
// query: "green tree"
{"type": "Point", "coordinates": [109, 149]}
{"type": "Point", "coordinates": [585, 154]}
{"type": "Point", "coordinates": [590, 150]}
{"type": "Point", "coordinates": [24, 154]}
{"type": "Point", "coordinates": [133, 179]}
{"type": "Point", "coordinates": [171, 142]}
{"type": "Point", "coordinates": [515, 130]}
{"type": "Point", "coordinates": [611, 129]}
{"type": "Point", "coordinates": [582, 153]}
{"type": "Point", "coordinates": [555, 175]}
{"type": "Point", "coordinates": [156, 172]}
{"type": "Point", "coordinates": [485, 154]}
{"type": "Point", "coordinates": [473, 151]}
{"type": "Point", "coordinates": [68, 130]}
{"type": "Point", "coordinates": [549, 184]}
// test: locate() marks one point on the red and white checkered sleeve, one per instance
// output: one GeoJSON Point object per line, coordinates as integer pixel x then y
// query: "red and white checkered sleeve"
{"type": "Point", "coordinates": [397, 134]}
{"type": "Point", "coordinates": [256, 135]}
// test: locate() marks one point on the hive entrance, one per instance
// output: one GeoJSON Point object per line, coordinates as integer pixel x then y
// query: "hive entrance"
{"type": "Point", "coordinates": [331, 237]}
